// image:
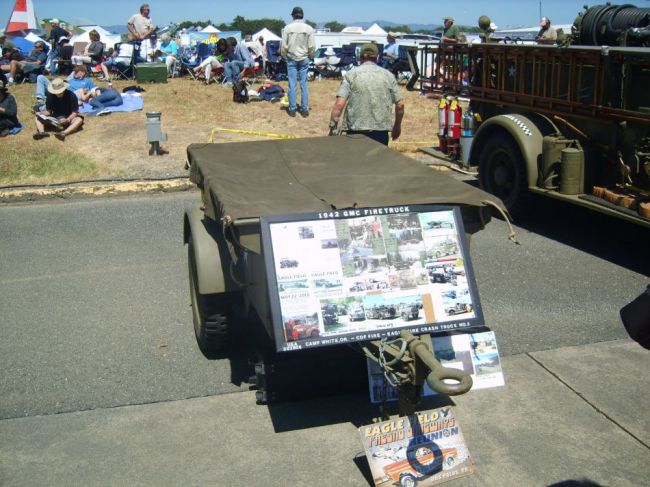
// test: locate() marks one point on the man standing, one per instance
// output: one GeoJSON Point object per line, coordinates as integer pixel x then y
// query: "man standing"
{"type": "Point", "coordinates": [546, 34]}
{"type": "Point", "coordinates": [142, 30]}
{"type": "Point", "coordinates": [298, 46]}
{"type": "Point", "coordinates": [370, 92]}
{"type": "Point", "coordinates": [451, 32]}
{"type": "Point", "coordinates": [140, 25]}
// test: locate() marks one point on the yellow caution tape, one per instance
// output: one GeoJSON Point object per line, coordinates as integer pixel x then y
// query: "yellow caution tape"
{"type": "Point", "coordinates": [415, 142]}
{"type": "Point", "coordinates": [250, 132]}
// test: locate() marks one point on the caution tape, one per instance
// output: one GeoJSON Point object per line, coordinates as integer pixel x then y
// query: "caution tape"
{"type": "Point", "coordinates": [249, 132]}
{"type": "Point", "coordinates": [414, 142]}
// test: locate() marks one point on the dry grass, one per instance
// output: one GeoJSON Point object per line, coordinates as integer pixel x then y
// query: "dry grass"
{"type": "Point", "coordinates": [116, 146]}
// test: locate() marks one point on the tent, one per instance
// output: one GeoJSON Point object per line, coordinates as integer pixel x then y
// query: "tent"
{"type": "Point", "coordinates": [108, 38]}
{"type": "Point", "coordinates": [267, 34]}
{"type": "Point", "coordinates": [210, 29]}
{"type": "Point", "coordinates": [375, 29]}
{"type": "Point", "coordinates": [33, 38]}
{"type": "Point", "coordinates": [23, 45]}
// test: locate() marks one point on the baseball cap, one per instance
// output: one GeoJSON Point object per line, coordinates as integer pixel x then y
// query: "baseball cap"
{"type": "Point", "coordinates": [448, 17]}
{"type": "Point", "coordinates": [544, 20]}
{"type": "Point", "coordinates": [297, 11]}
{"type": "Point", "coordinates": [369, 49]}
{"type": "Point", "coordinates": [54, 21]}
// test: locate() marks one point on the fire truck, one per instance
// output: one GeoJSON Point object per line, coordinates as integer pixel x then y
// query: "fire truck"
{"type": "Point", "coordinates": [570, 122]}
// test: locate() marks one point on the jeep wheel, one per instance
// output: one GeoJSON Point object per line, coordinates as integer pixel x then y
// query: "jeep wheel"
{"type": "Point", "coordinates": [209, 312]}
{"type": "Point", "coordinates": [502, 172]}
{"type": "Point", "coordinates": [407, 480]}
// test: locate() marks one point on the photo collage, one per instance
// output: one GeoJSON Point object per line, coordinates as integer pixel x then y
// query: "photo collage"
{"type": "Point", "coordinates": [366, 274]}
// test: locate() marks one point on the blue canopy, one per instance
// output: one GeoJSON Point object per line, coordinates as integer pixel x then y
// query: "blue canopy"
{"type": "Point", "coordinates": [23, 45]}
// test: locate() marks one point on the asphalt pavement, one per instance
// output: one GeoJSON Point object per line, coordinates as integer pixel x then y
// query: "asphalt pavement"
{"type": "Point", "coordinates": [102, 383]}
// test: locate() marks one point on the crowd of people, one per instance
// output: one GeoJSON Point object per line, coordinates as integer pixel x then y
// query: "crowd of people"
{"type": "Point", "coordinates": [369, 93]}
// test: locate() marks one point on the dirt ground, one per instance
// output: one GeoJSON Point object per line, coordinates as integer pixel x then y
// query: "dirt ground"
{"type": "Point", "coordinates": [190, 111]}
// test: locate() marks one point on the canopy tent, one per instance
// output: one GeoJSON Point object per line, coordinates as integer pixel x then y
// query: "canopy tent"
{"type": "Point", "coordinates": [210, 29]}
{"type": "Point", "coordinates": [33, 38]}
{"type": "Point", "coordinates": [375, 29]}
{"type": "Point", "coordinates": [108, 38]}
{"type": "Point", "coordinates": [267, 35]}
{"type": "Point", "coordinates": [189, 39]}
{"type": "Point", "coordinates": [23, 18]}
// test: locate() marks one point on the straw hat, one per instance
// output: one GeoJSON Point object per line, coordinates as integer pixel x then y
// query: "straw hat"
{"type": "Point", "coordinates": [57, 86]}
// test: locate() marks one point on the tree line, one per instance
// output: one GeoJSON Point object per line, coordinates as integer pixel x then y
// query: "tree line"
{"type": "Point", "coordinates": [250, 26]}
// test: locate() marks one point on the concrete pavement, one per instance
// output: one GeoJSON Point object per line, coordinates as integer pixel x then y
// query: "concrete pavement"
{"type": "Point", "coordinates": [576, 413]}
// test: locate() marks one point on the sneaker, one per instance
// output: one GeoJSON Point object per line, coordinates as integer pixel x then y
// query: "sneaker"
{"type": "Point", "coordinates": [60, 136]}
{"type": "Point", "coordinates": [291, 113]}
{"type": "Point", "coordinates": [40, 135]}
{"type": "Point", "coordinates": [304, 113]}
{"type": "Point", "coordinates": [103, 112]}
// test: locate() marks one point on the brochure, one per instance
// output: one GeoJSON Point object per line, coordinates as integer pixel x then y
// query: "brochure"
{"type": "Point", "coordinates": [426, 448]}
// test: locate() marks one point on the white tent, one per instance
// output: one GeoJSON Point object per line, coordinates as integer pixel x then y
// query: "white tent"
{"type": "Point", "coordinates": [210, 29]}
{"type": "Point", "coordinates": [108, 38]}
{"type": "Point", "coordinates": [375, 29]}
{"type": "Point", "coordinates": [267, 35]}
{"type": "Point", "coordinates": [31, 37]}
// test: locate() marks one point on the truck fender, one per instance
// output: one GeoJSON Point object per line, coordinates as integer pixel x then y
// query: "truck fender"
{"type": "Point", "coordinates": [527, 132]}
{"type": "Point", "coordinates": [206, 251]}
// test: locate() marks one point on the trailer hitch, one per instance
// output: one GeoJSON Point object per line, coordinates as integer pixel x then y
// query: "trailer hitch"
{"type": "Point", "coordinates": [408, 362]}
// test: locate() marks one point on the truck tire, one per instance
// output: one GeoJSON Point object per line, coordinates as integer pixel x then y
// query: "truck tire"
{"type": "Point", "coordinates": [209, 312]}
{"type": "Point", "coordinates": [502, 172]}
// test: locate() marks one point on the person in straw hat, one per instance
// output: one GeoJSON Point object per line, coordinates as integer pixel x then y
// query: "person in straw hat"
{"type": "Point", "coordinates": [61, 114]}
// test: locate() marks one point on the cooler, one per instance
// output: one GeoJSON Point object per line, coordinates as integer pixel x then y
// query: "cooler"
{"type": "Point", "coordinates": [151, 73]}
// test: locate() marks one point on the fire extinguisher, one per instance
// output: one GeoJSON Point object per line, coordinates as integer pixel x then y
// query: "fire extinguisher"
{"type": "Point", "coordinates": [454, 117]}
{"type": "Point", "coordinates": [443, 108]}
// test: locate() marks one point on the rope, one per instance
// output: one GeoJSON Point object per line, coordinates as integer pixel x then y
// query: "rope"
{"type": "Point", "coordinates": [249, 132]}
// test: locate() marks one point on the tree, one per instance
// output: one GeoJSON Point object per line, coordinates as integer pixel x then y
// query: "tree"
{"type": "Point", "coordinates": [404, 29]}
{"type": "Point", "coordinates": [334, 26]}
{"type": "Point", "coordinates": [250, 26]}
{"type": "Point", "coordinates": [311, 22]}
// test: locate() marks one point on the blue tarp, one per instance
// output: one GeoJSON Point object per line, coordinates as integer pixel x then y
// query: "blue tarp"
{"type": "Point", "coordinates": [23, 45]}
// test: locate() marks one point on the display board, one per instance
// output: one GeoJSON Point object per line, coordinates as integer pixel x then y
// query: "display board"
{"type": "Point", "coordinates": [366, 273]}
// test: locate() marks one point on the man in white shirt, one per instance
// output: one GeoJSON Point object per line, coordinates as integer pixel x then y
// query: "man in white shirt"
{"type": "Point", "coordinates": [298, 46]}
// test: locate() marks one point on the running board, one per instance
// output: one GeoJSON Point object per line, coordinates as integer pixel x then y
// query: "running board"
{"type": "Point", "coordinates": [596, 204]}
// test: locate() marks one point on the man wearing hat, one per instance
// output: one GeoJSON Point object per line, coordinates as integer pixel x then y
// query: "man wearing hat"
{"type": "Point", "coordinates": [61, 112]}
{"type": "Point", "coordinates": [546, 34]}
{"type": "Point", "coordinates": [370, 93]}
{"type": "Point", "coordinates": [450, 32]}
{"type": "Point", "coordinates": [298, 46]}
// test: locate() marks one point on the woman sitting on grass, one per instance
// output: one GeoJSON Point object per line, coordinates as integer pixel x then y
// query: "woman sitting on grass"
{"type": "Point", "coordinates": [61, 113]}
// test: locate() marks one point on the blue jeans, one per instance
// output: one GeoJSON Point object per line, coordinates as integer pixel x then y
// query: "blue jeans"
{"type": "Point", "coordinates": [232, 69]}
{"type": "Point", "coordinates": [297, 70]}
{"type": "Point", "coordinates": [41, 87]}
{"type": "Point", "coordinates": [109, 98]}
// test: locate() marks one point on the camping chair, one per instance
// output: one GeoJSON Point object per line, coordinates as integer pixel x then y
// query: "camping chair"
{"type": "Point", "coordinates": [123, 64]}
{"type": "Point", "coordinates": [348, 57]}
{"type": "Point", "coordinates": [64, 63]}
{"type": "Point", "coordinates": [276, 67]}
{"type": "Point", "coordinates": [252, 73]}
{"type": "Point", "coordinates": [201, 53]}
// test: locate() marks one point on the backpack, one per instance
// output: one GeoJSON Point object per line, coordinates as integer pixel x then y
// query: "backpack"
{"type": "Point", "coordinates": [240, 92]}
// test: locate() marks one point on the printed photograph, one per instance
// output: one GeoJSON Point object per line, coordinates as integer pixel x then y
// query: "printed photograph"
{"type": "Point", "coordinates": [305, 232]}
{"type": "Point", "coordinates": [300, 326]}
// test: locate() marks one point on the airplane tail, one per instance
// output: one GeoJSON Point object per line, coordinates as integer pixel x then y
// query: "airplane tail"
{"type": "Point", "coordinates": [23, 18]}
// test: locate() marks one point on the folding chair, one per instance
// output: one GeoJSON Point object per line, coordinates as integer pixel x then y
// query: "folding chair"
{"type": "Point", "coordinates": [348, 57]}
{"type": "Point", "coordinates": [276, 67]}
{"type": "Point", "coordinates": [252, 73]}
{"type": "Point", "coordinates": [122, 65]}
{"type": "Point", "coordinates": [201, 53]}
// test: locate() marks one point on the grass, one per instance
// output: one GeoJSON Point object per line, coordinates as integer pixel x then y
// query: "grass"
{"type": "Point", "coordinates": [116, 145]}
{"type": "Point", "coordinates": [42, 164]}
